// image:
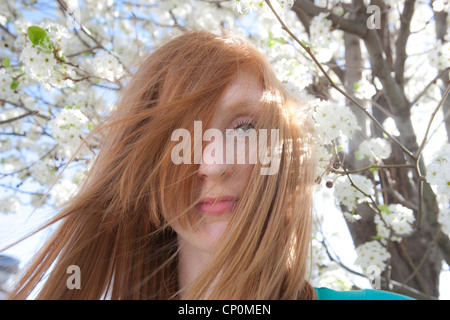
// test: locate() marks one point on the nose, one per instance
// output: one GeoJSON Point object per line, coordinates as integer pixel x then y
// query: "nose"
{"type": "Point", "coordinates": [213, 165]}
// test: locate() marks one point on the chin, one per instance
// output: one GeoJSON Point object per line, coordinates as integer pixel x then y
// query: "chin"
{"type": "Point", "coordinates": [209, 235]}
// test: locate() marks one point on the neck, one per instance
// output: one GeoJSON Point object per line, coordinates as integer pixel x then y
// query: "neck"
{"type": "Point", "coordinates": [191, 262]}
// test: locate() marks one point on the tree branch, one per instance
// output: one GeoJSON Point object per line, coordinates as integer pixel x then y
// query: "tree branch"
{"type": "Point", "coordinates": [65, 8]}
{"type": "Point", "coordinates": [24, 115]}
{"type": "Point", "coordinates": [353, 26]}
{"type": "Point", "coordinates": [353, 100]}
{"type": "Point", "coordinates": [402, 38]}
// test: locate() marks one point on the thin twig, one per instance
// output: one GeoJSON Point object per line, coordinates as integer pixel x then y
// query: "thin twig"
{"type": "Point", "coordinates": [425, 256]}
{"type": "Point", "coordinates": [22, 106]}
{"type": "Point", "coordinates": [433, 115]}
{"type": "Point", "coordinates": [427, 86]}
{"type": "Point", "coordinates": [415, 269]}
{"type": "Point", "coordinates": [86, 31]}
{"type": "Point", "coordinates": [374, 167]}
{"type": "Point", "coordinates": [24, 115]}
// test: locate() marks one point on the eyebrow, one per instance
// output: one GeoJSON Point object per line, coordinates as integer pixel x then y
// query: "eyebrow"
{"type": "Point", "coordinates": [243, 107]}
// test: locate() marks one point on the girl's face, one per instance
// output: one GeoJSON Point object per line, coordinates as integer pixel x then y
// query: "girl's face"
{"type": "Point", "coordinates": [221, 183]}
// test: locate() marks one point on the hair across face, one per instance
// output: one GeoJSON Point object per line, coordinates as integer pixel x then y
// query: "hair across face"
{"type": "Point", "coordinates": [119, 229]}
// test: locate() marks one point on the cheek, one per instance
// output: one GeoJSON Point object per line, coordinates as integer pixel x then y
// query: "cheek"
{"type": "Point", "coordinates": [243, 173]}
{"type": "Point", "coordinates": [206, 238]}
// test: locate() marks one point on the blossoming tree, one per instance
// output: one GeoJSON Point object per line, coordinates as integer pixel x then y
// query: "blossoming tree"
{"type": "Point", "coordinates": [374, 73]}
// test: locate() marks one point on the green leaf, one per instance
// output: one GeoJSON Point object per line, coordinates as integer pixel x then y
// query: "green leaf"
{"type": "Point", "coordinates": [6, 63]}
{"type": "Point", "coordinates": [373, 169]}
{"type": "Point", "coordinates": [36, 35]}
{"type": "Point", "coordinates": [384, 208]}
{"type": "Point", "coordinates": [89, 126]}
{"type": "Point", "coordinates": [14, 84]}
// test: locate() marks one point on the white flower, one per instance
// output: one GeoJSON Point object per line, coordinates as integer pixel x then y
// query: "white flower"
{"type": "Point", "coordinates": [5, 87]}
{"type": "Point", "coordinates": [322, 38]}
{"type": "Point", "coordinates": [63, 191]}
{"type": "Point", "coordinates": [438, 171]}
{"type": "Point", "coordinates": [107, 66]}
{"type": "Point", "coordinates": [67, 128]}
{"type": "Point", "coordinates": [441, 5]}
{"type": "Point", "coordinates": [351, 217]}
{"type": "Point", "coordinates": [16, 126]}
{"type": "Point", "coordinates": [439, 56]}
{"type": "Point", "coordinates": [334, 121]}
{"type": "Point", "coordinates": [38, 65]}
{"type": "Point", "coordinates": [348, 195]}
{"type": "Point", "coordinates": [44, 68]}
{"type": "Point", "coordinates": [383, 231]}
{"type": "Point", "coordinates": [320, 28]}
{"type": "Point", "coordinates": [244, 6]}
{"type": "Point", "coordinates": [372, 256]}
{"type": "Point", "coordinates": [399, 218]}
{"type": "Point", "coordinates": [444, 220]}
{"type": "Point", "coordinates": [364, 89]}
{"type": "Point", "coordinates": [10, 205]}
{"type": "Point", "coordinates": [286, 4]}
{"type": "Point", "coordinates": [335, 278]}
{"type": "Point", "coordinates": [44, 171]}
{"type": "Point", "coordinates": [58, 34]}
{"type": "Point", "coordinates": [293, 72]}
{"type": "Point", "coordinates": [374, 148]}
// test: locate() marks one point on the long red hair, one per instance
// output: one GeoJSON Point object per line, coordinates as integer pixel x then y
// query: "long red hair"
{"type": "Point", "coordinates": [117, 229]}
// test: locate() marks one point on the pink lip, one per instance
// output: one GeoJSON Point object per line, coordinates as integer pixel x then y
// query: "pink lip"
{"type": "Point", "coordinates": [217, 206]}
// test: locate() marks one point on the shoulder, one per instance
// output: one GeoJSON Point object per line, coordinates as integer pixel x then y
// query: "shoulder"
{"type": "Point", "coordinates": [366, 294]}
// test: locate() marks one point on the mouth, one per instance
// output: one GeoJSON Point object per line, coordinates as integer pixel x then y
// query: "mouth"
{"type": "Point", "coordinates": [217, 205]}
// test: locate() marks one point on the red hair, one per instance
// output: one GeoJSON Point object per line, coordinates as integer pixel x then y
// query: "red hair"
{"type": "Point", "coordinates": [117, 229]}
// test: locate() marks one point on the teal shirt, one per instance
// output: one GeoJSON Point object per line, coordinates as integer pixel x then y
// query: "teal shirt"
{"type": "Point", "coordinates": [366, 294]}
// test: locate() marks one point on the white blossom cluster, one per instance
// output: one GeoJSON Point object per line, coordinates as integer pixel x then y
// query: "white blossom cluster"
{"type": "Point", "coordinates": [325, 272]}
{"type": "Point", "coordinates": [84, 98]}
{"type": "Point", "coordinates": [372, 257]}
{"type": "Point", "coordinates": [441, 5]}
{"type": "Point", "coordinates": [438, 176]}
{"type": "Point", "coordinates": [333, 277]}
{"type": "Point", "coordinates": [42, 65]}
{"type": "Point", "coordinates": [364, 89]}
{"type": "Point", "coordinates": [63, 191]}
{"type": "Point", "coordinates": [438, 171]}
{"type": "Point", "coordinates": [6, 93]}
{"type": "Point", "coordinates": [106, 66]}
{"type": "Point", "coordinates": [439, 57]}
{"type": "Point", "coordinates": [9, 114]}
{"type": "Point", "coordinates": [68, 129]}
{"type": "Point", "coordinates": [10, 204]}
{"type": "Point", "coordinates": [243, 6]}
{"type": "Point", "coordinates": [44, 171]}
{"type": "Point", "coordinates": [346, 194]}
{"type": "Point", "coordinates": [333, 121]}
{"type": "Point", "coordinates": [375, 148]}
{"type": "Point", "coordinates": [293, 73]}
{"type": "Point", "coordinates": [322, 38]}
{"type": "Point", "coordinates": [395, 218]}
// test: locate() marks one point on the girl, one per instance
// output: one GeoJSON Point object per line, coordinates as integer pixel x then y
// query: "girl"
{"type": "Point", "coordinates": [163, 215]}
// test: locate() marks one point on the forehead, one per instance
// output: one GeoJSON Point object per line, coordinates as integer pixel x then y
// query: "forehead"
{"type": "Point", "coordinates": [243, 92]}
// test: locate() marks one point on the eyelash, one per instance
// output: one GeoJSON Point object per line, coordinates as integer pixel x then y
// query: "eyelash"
{"type": "Point", "coordinates": [243, 123]}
